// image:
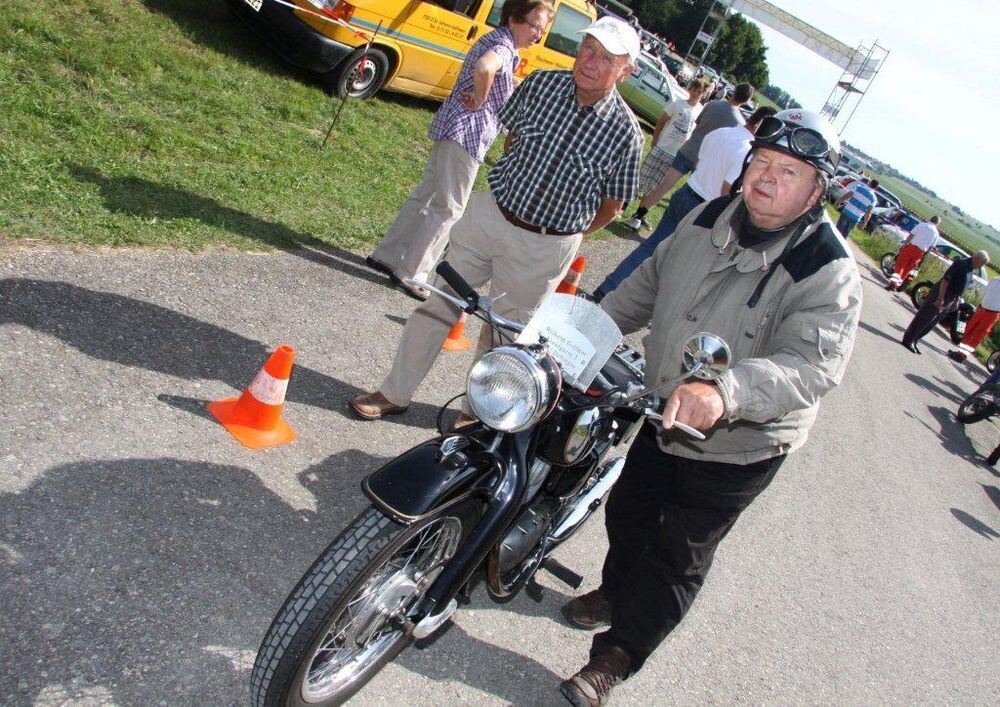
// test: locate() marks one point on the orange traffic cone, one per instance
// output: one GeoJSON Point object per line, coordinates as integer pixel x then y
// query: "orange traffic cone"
{"type": "Point", "coordinates": [456, 340]}
{"type": "Point", "coordinates": [254, 418]}
{"type": "Point", "coordinates": [572, 280]}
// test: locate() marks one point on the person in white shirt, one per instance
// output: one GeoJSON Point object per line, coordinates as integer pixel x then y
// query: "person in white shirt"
{"type": "Point", "coordinates": [720, 163]}
{"type": "Point", "coordinates": [981, 322]}
{"type": "Point", "coordinates": [922, 238]}
{"type": "Point", "coordinates": [672, 130]}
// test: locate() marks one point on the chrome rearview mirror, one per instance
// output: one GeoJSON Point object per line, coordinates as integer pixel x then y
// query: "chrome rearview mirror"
{"type": "Point", "coordinates": [706, 356]}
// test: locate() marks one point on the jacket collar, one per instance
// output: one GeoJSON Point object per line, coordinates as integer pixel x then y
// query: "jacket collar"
{"type": "Point", "coordinates": [730, 252]}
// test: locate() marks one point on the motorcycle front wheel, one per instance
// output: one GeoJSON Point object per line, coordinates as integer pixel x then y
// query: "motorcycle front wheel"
{"type": "Point", "coordinates": [973, 409]}
{"type": "Point", "coordinates": [345, 619]}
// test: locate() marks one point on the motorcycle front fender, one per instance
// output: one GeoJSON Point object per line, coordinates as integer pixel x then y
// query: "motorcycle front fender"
{"type": "Point", "coordinates": [429, 476]}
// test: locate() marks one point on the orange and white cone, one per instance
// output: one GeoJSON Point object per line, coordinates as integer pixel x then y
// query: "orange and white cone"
{"type": "Point", "coordinates": [456, 340]}
{"type": "Point", "coordinates": [254, 418]}
{"type": "Point", "coordinates": [571, 281]}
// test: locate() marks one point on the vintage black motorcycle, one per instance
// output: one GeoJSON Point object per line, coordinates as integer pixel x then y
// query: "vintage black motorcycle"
{"type": "Point", "coordinates": [489, 502]}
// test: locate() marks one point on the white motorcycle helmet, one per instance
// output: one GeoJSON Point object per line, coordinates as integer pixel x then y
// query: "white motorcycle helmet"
{"type": "Point", "coordinates": [802, 134]}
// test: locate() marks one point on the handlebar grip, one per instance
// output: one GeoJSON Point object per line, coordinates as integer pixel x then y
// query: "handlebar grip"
{"type": "Point", "coordinates": [457, 283]}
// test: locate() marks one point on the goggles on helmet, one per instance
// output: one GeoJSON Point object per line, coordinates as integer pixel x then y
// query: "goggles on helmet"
{"type": "Point", "coordinates": [800, 141]}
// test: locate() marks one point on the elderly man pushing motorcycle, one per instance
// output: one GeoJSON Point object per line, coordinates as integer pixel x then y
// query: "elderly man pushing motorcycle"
{"type": "Point", "coordinates": [766, 270]}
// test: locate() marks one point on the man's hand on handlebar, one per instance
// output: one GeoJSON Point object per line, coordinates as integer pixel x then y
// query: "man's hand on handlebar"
{"type": "Point", "coordinates": [696, 404]}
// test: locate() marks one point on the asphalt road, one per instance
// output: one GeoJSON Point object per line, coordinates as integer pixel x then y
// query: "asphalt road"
{"type": "Point", "coordinates": [143, 552]}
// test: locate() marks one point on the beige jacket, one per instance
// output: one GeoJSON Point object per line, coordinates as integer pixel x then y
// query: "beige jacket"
{"type": "Point", "coordinates": [789, 350]}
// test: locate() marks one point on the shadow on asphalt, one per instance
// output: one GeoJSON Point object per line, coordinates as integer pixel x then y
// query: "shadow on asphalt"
{"type": "Point", "coordinates": [136, 196]}
{"type": "Point", "coordinates": [950, 433]}
{"type": "Point", "coordinates": [483, 666]}
{"type": "Point", "coordinates": [154, 580]}
{"type": "Point", "coordinates": [149, 581]}
{"type": "Point", "coordinates": [975, 524]}
{"type": "Point", "coordinates": [993, 493]}
{"type": "Point", "coordinates": [134, 333]}
{"type": "Point", "coordinates": [952, 393]}
{"type": "Point", "coordinates": [877, 332]}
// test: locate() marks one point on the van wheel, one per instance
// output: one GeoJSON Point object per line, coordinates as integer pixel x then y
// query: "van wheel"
{"type": "Point", "coordinates": [361, 74]}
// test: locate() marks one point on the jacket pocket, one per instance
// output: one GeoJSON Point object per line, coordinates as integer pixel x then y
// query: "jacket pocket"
{"type": "Point", "coordinates": [828, 343]}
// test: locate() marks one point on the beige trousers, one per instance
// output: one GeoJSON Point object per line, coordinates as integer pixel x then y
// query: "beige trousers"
{"type": "Point", "coordinates": [418, 236]}
{"type": "Point", "coordinates": [485, 247]}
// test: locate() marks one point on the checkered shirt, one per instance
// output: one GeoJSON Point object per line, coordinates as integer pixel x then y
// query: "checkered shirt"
{"type": "Point", "coordinates": [475, 130]}
{"type": "Point", "coordinates": [563, 160]}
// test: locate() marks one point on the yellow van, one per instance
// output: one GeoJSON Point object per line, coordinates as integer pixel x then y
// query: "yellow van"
{"type": "Point", "coordinates": [418, 46]}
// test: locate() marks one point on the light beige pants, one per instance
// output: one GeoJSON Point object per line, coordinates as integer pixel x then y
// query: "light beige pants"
{"type": "Point", "coordinates": [485, 247]}
{"type": "Point", "coordinates": [418, 236]}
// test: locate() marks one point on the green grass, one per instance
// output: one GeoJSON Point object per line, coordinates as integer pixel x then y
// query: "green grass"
{"type": "Point", "coordinates": [167, 123]}
{"type": "Point", "coordinates": [962, 230]}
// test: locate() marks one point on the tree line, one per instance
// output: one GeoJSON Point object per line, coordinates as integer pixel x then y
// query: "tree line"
{"type": "Point", "coordinates": [738, 51]}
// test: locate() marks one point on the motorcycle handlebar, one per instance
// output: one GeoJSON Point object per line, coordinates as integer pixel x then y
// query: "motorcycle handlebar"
{"type": "Point", "coordinates": [458, 283]}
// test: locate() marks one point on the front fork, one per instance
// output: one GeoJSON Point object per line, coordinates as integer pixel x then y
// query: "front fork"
{"type": "Point", "coordinates": [502, 504]}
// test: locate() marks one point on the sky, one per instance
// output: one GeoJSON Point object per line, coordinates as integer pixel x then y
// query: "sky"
{"type": "Point", "coordinates": [932, 110]}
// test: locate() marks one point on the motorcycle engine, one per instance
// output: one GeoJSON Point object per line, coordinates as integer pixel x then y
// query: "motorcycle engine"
{"type": "Point", "coordinates": [524, 535]}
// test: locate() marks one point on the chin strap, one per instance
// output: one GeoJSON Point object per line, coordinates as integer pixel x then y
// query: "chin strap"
{"type": "Point", "coordinates": [805, 221]}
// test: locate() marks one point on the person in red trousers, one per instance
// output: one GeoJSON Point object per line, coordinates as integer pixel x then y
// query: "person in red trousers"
{"type": "Point", "coordinates": [980, 323]}
{"type": "Point", "coordinates": [922, 238]}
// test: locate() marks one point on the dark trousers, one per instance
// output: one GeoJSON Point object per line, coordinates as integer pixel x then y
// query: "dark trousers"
{"type": "Point", "coordinates": [665, 517]}
{"type": "Point", "coordinates": [926, 318]}
{"type": "Point", "coordinates": [845, 224]}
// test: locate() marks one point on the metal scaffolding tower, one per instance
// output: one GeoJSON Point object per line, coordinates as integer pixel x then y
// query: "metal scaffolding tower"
{"type": "Point", "coordinates": [853, 84]}
{"type": "Point", "coordinates": [708, 32]}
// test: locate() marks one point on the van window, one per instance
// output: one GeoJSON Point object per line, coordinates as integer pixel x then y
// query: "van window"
{"type": "Point", "coordinates": [459, 6]}
{"type": "Point", "coordinates": [564, 36]}
{"type": "Point", "coordinates": [493, 19]}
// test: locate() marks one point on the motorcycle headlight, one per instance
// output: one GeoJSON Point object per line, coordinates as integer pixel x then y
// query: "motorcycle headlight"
{"type": "Point", "coordinates": [509, 389]}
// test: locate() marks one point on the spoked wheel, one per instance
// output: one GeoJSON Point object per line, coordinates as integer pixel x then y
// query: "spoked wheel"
{"type": "Point", "coordinates": [919, 293]}
{"type": "Point", "coordinates": [349, 614]}
{"type": "Point", "coordinates": [975, 408]}
{"type": "Point", "coordinates": [888, 264]}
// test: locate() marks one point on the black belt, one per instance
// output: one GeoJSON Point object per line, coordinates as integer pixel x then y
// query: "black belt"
{"type": "Point", "coordinates": [515, 221]}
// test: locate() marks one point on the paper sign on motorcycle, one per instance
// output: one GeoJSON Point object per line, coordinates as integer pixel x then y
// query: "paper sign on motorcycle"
{"type": "Point", "coordinates": [578, 334]}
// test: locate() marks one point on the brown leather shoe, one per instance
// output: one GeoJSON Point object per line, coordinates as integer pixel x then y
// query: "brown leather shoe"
{"type": "Point", "coordinates": [374, 406]}
{"type": "Point", "coordinates": [418, 293]}
{"type": "Point", "coordinates": [593, 684]}
{"type": "Point", "coordinates": [588, 611]}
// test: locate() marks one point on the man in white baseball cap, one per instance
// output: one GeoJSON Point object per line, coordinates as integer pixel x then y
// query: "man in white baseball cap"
{"type": "Point", "coordinates": [570, 162]}
{"type": "Point", "coordinates": [616, 36]}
